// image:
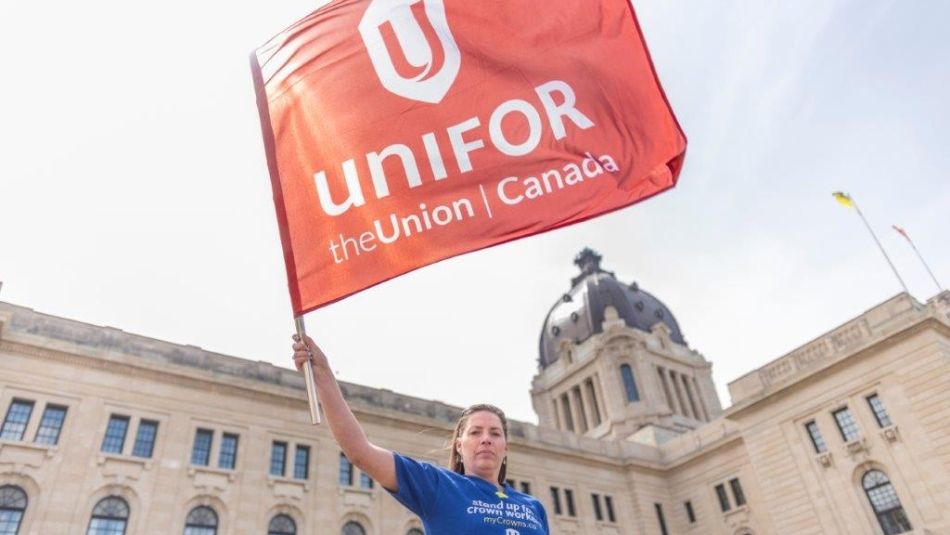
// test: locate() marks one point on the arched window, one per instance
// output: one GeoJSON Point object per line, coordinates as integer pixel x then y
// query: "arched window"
{"type": "Point", "coordinates": [109, 517]}
{"type": "Point", "coordinates": [414, 531]}
{"type": "Point", "coordinates": [282, 525]}
{"type": "Point", "coordinates": [201, 521]}
{"type": "Point", "coordinates": [353, 528]}
{"type": "Point", "coordinates": [886, 504]}
{"type": "Point", "coordinates": [629, 384]}
{"type": "Point", "coordinates": [12, 507]}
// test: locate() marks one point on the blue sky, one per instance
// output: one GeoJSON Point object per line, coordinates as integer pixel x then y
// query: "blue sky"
{"type": "Point", "coordinates": [134, 191]}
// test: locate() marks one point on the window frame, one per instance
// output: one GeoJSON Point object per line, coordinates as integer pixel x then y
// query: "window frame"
{"type": "Point", "coordinates": [846, 427]}
{"type": "Point", "coordinates": [189, 522]}
{"type": "Point", "coordinates": [661, 518]}
{"type": "Point", "coordinates": [569, 501]}
{"type": "Point", "coordinates": [881, 515]}
{"type": "Point", "coordinates": [125, 520]}
{"type": "Point", "coordinates": [738, 495]}
{"type": "Point", "coordinates": [358, 525]}
{"type": "Point", "coordinates": [598, 512]}
{"type": "Point", "coordinates": [690, 512]}
{"type": "Point", "coordinates": [59, 428]}
{"type": "Point", "coordinates": [276, 445]}
{"type": "Point", "coordinates": [366, 482]}
{"type": "Point", "coordinates": [724, 505]}
{"type": "Point", "coordinates": [155, 424]}
{"type": "Point", "coordinates": [115, 417]}
{"type": "Point", "coordinates": [556, 500]}
{"type": "Point", "coordinates": [26, 423]}
{"type": "Point", "coordinates": [818, 442]}
{"type": "Point", "coordinates": [879, 410]}
{"type": "Point", "coordinates": [345, 467]}
{"type": "Point", "coordinates": [609, 505]}
{"type": "Point", "coordinates": [16, 508]}
{"type": "Point", "coordinates": [305, 449]}
{"type": "Point", "coordinates": [629, 379]}
{"type": "Point", "coordinates": [202, 431]}
{"type": "Point", "coordinates": [270, 525]}
{"type": "Point", "coordinates": [229, 454]}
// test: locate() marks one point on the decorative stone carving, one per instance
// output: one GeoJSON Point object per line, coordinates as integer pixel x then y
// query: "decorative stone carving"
{"type": "Point", "coordinates": [285, 489]}
{"type": "Point", "coordinates": [357, 498]}
{"type": "Point", "coordinates": [737, 517]}
{"type": "Point", "coordinates": [825, 459]}
{"type": "Point", "coordinates": [890, 434]}
{"type": "Point", "coordinates": [567, 525]}
{"type": "Point", "coordinates": [122, 470]}
{"type": "Point", "coordinates": [209, 480]}
{"type": "Point", "coordinates": [18, 457]}
{"type": "Point", "coordinates": [858, 450]}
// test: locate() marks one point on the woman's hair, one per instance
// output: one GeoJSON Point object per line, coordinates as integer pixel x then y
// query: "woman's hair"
{"type": "Point", "coordinates": [455, 459]}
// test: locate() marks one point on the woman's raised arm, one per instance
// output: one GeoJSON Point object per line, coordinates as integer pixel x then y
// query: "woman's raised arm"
{"type": "Point", "coordinates": [377, 462]}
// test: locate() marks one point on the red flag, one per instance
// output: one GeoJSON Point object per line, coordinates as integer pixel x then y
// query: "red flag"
{"type": "Point", "coordinates": [403, 132]}
{"type": "Point", "coordinates": [902, 232]}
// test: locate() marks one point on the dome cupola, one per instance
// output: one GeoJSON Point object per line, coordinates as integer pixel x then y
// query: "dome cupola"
{"type": "Point", "coordinates": [579, 313]}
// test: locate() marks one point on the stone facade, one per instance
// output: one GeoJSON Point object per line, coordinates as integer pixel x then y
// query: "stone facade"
{"type": "Point", "coordinates": [670, 446]}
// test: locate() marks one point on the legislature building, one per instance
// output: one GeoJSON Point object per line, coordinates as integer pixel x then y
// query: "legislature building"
{"type": "Point", "coordinates": [107, 432]}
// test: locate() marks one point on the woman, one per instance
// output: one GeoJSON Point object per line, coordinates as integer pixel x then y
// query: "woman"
{"type": "Point", "coordinates": [470, 498]}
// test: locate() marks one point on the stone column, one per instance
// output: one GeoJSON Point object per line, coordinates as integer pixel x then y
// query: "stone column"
{"type": "Point", "coordinates": [684, 410]}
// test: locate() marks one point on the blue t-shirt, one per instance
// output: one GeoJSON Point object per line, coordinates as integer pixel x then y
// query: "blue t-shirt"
{"type": "Point", "coordinates": [453, 504]}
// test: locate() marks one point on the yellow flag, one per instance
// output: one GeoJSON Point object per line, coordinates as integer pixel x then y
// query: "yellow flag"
{"type": "Point", "coordinates": [844, 199]}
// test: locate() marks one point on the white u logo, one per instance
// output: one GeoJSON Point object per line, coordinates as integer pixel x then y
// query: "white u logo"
{"type": "Point", "coordinates": [411, 47]}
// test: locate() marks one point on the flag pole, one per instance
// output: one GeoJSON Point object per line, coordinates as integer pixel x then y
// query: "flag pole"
{"type": "Point", "coordinates": [848, 200]}
{"type": "Point", "coordinates": [308, 376]}
{"type": "Point", "coordinates": [906, 236]}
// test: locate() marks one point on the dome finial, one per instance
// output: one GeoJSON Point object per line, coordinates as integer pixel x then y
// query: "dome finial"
{"type": "Point", "coordinates": [588, 261]}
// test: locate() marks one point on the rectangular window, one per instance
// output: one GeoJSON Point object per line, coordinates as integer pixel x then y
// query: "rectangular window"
{"type": "Point", "coordinates": [114, 440]}
{"type": "Point", "coordinates": [525, 487]}
{"type": "Point", "coordinates": [569, 501]}
{"type": "Point", "coordinates": [278, 458]}
{"type": "Point", "coordinates": [366, 482]}
{"type": "Point", "coordinates": [595, 407]}
{"type": "Point", "coordinates": [556, 499]}
{"type": "Point", "coordinates": [227, 458]}
{"type": "Point", "coordinates": [595, 499]}
{"type": "Point", "coordinates": [629, 383]}
{"type": "Point", "coordinates": [737, 492]}
{"type": "Point", "coordinates": [690, 514]}
{"type": "Point", "coordinates": [579, 404]}
{"type": "Point", "coordinates": [201, 449]}
{"type": "Point", "coordinates": [18, 415]}
{"type": "Point", "coordinates": [50, 425]}
{"type": "Point", "coordinates": [566, 407]}
{"type": "Point", "coordinates": [880, 413]}
{"type": "Point", "coordinates": [145, 439]}
{"type": "Point", "coordinates": [609, 503]}
{"type": "Point", "coordinates": [660, 518]}
{"type": "Point", "coordinates": [346, 472]}
{"type": "Point", "coordinates": [846, 424]}
{"type": "Point", "coordinates": [302, 462]}
{"type": "Point", "coordinates": [817, 441]}
{"type": "Point", "coordinates": [510, 482]}
{"type": "Point", "coordinates": [723, 498]}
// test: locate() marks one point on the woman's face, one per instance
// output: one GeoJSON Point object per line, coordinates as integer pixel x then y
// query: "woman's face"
{"type": "Point", "coordinates": [482, 445]}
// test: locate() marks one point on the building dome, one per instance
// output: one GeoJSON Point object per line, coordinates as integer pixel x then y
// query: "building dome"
{"type": "Point", "coordinates": [579, 314]}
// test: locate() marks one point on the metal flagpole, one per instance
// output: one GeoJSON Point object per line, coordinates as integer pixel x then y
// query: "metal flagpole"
{"type": "Point", "coordinates": [906, 236]}
{"type": "Point", "coordinates": [879, 246]}
{"type": "Point", "coordinates": [308, 376]}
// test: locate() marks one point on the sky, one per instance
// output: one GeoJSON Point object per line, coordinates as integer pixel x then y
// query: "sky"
{"type": "Point", "coordinates": [134, 191]}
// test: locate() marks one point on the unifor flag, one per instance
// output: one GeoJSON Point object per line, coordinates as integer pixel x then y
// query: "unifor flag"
{"type": "Point", "coordinates": [402, 132]}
